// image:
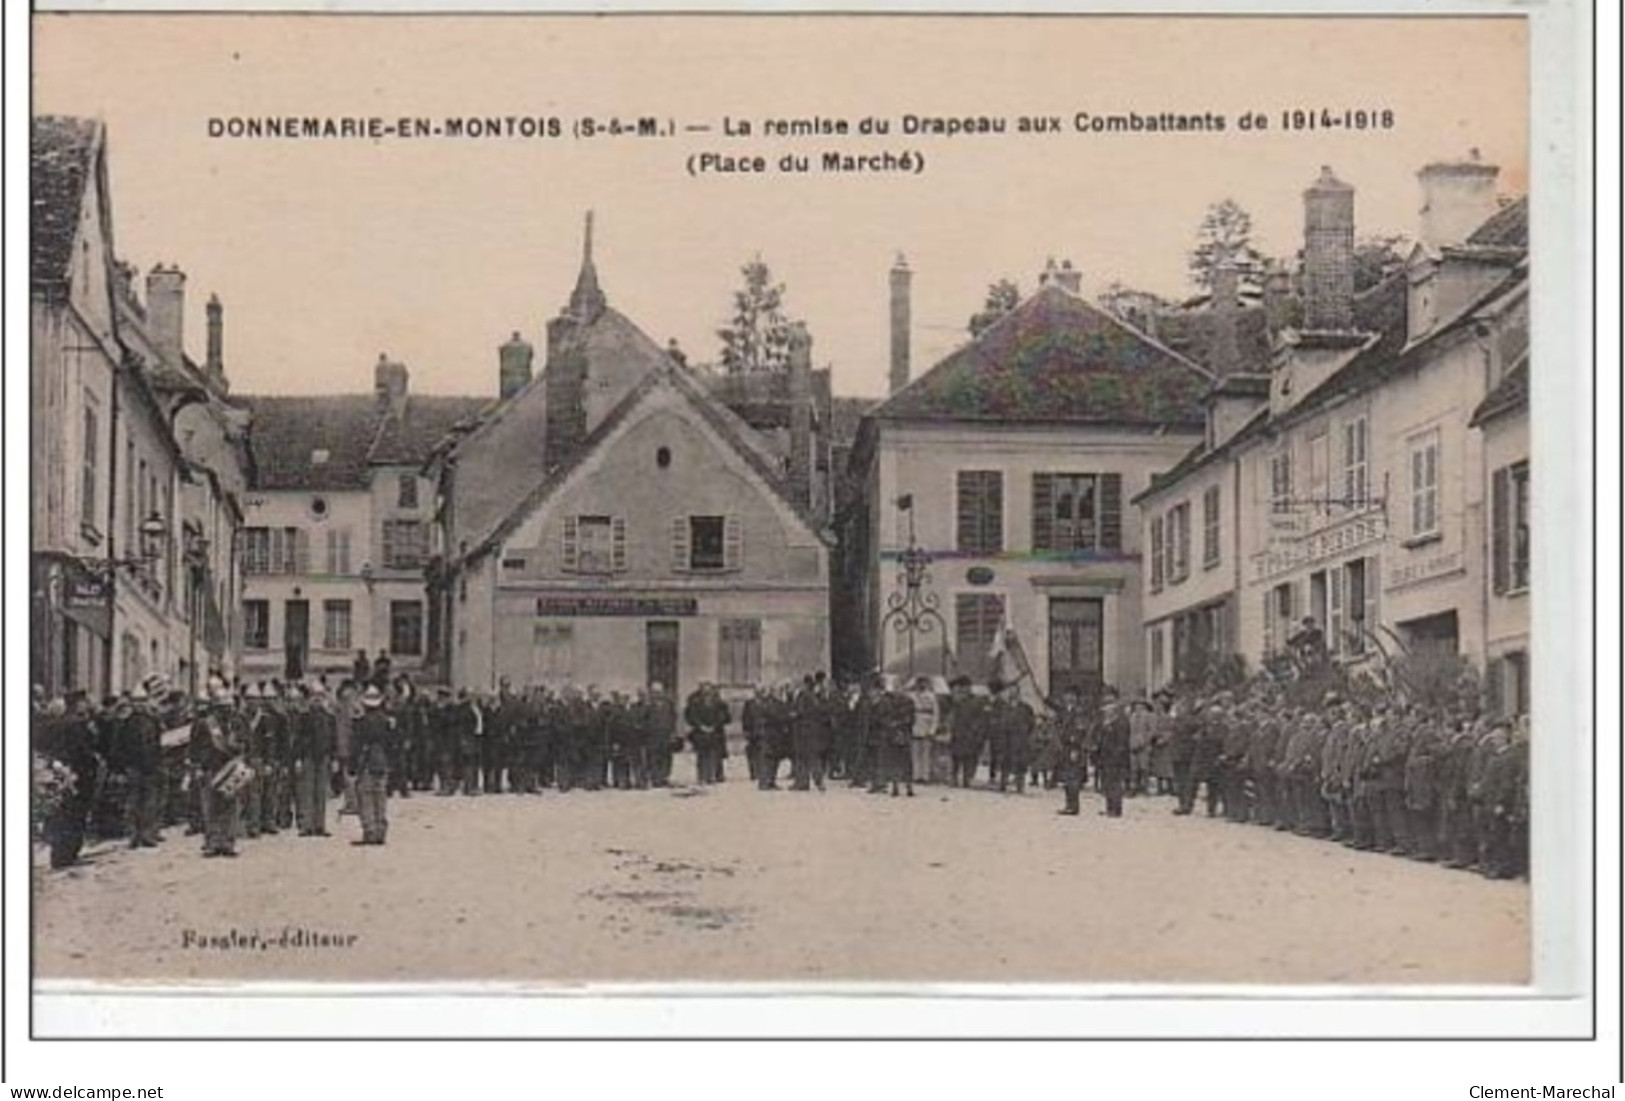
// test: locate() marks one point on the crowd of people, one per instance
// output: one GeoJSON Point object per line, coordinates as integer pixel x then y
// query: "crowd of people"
{"type": "Point", "coordinates": [249, 760]}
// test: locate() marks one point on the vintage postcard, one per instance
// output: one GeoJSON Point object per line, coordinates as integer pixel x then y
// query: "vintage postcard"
{"type": "Point", "coordinates": [797, 501]}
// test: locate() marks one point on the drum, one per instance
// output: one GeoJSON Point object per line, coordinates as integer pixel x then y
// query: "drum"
{"type": "Point", "coordinates": [233, 776]}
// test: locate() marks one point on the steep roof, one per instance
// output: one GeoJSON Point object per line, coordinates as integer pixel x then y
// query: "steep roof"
{"type": "Point", "coordinates": [285, 434]}
{"type": "Point", "coordinates": [730, 429]}
{"type": "Point", "coordinates": [1506, 228]}
{"type": "Point", "coordinates": [63, 156]}
{"type": "Point", "coordinates": [1056, 359]}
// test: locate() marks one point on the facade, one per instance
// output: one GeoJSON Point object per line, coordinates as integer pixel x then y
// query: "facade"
{"type": "Point", "coordinates": [624, 519]}
{"type": "Point", "coordinates": [1502, 421]}
{"type": "Point", "coordinates": [1355, 478]}
{"type": "Point", "coordinates": [336, 536]}
{"type": "Point", "coordinates": [1010, 465]}
{"type": "Point", "coordinates": [122, 499]}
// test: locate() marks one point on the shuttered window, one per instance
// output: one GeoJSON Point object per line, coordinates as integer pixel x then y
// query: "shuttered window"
{"type": "Point", "coordinates": [708, 544]}
{"type": "Point", "coordinates": [1111, 512]}
{"type": "Point", "coordinates": [1210, 527]}
{"type": "Point", "coordinates": [1424, 455]}
{"type": "Point", "coordinates": [1356, 479]}
{"type": "Point", "coordinates": [1509, 528]}
{"type": "Point", "coordinates": [338, 551]}
{"type": "Point", "coordinates": [977, 619]}
{"type": "Point", "coordinates": [1177, 535]}
{"type": "Point", "coordinates": [981, 511]}
{"type": "Point", "coordinates": [1076, 512]}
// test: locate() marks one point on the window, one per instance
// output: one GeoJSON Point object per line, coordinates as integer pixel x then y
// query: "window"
{"type": "Point", "coordinates": [1319, 469]}
{"type": "Point", "coordinates": [1424, 451]}
{"type": "Point", "coordinates": [977, 619]}
{"type": "Point", "coordinates": [1210, 527]}
{"type": "Point", "coordinates": [335, 624]}
{"type": "Point", "coordinates": [87, 487]}
{"type": "Point", "coordinates": [1356, 480]}
{"type": "Point", "coordinates": [1509, 528]}
{"type": "Point", "coordinates": [981, 511]}
{"type": "Point", "coordinates": [403, 544]}
{"type": "Point", "coordinates": [338, 551]}
{"type": "Point", "coordinates": [1156, 553]}
{"type": "Point", "coordinates": [739, 651]}
{"type": "Point", "coordinates": [552, 651]}
{"type": "Point", "coordinates": [256, 624]}
{"type": "Point", "coordinates": [406, 491]}
{"type": "Point", "coordinates": [1281, 481]}
{"type": "Point", "coordinates": [1178, 537]}
{"type": "Point", "coordinates": [1066, 514]}
{"type": "Point", "coordinates": [1159, 659]}
{"type": "Point", "coordinates": [595, 544]}
{"type": "Point", "coordinates": [406, 627]}
{"type": "Point", "coordinates": [707, 544]}
{"type": "Point", "coordinates": [1360, 604]}
{"type": "Point", "coordinates": [1277, 617]}
{"type": "Point", "coordinates": [275, 551]}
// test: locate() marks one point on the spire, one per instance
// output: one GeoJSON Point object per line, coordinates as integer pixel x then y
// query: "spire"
{"type": "Point", "coordinates": [587, 300]}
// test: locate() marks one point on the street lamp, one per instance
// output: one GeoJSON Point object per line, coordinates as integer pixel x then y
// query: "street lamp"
{"type": "Point", "coordinates": [912, 610]}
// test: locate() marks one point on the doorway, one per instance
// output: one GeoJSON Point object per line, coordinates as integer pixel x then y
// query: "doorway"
{"type": "Point", "coordinates": [661, 654]}
{"type": "Point", "coordinates": [1076, 645]}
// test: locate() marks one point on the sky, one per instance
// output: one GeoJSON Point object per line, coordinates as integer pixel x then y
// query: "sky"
{"type": "Point", "coordinates": [434, 250]}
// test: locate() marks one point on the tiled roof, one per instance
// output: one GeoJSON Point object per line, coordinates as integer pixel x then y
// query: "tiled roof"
{"type": "Point", "coordinates": [62, 159]}
{"type": "Point", "coordinates": [1510, 394]}
{"type": "Point", "coordinates": [427, 420]}
{"type": "Point", "coordinates": [1506, 228]}
{"type": "Point", "coordinates": [285, 433]}
{"type": "Point", "coordinates": [1056, 359]}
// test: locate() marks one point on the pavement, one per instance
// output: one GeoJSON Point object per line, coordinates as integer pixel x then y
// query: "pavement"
{"type": "Point", "coordinates": [727, 883]}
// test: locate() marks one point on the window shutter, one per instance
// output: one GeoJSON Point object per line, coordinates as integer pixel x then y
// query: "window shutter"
{"type": "Point", "coordinates": [1494, 689]}
{"type": "Point", "coordinates": [733, 543]}
{"type": "Point", "coordinates": [1338, 582]}
{"type": "Point", "coordinates": [617, 552]}
{"type": "Point", "coordinates": [1156, 553]}
{"type": "Point", "coordinates": [572, 543]}
{"type": "Point", "coordinates": [1111, 512]}
{"type": "Point", "coordinates": [1500, 529]}
{"type": "Point", "coordinates": [679, 544]}
{"type": "Point", "coordinates": [301, 550]}
{"type": "Point", "coordinates": [1373, 582]}
{"type": "Point", "coordinates": [1043, 512]}
{"type": "Point", "coordinates": [993, 512]}
{"type": "Point", "coordinates": [1269, 621]}
{"type": "Point", "coordinates": [969, 499]}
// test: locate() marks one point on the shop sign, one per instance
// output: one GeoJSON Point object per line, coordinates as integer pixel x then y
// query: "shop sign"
{"type": "Point", "coordinates": [646, 607]}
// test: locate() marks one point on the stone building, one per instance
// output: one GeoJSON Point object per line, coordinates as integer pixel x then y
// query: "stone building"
{"type": "Point", "coordinates": [622, 518]}
{"type": "Point", "coordinates": [336, 536]}
{"type": "Point", "coordinates": [1340, 478]}
{"type": "Point", "coordinates": [136, 457]}
{"type": "Point", "coordinates": [1010, 464]}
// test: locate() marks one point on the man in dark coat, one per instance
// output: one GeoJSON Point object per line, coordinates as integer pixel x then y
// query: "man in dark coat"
{"type": "Point", "coordinates": [1072, 760]}
{"type": "Point", "coordinates": [1115, 753]}
{"type": "Point", "coordinates": [809, 730]}
{"type": "Point", "coordinates": [750, 722]}
{"type": "Point", "coordinates": [312, 738]}
{"type": "Point", "coordinates": [1185, 730]}
{"type": "Point", "coordinates": [216, 739]}
{"type": "Point", "coordinates": [374, 745]}
{"type": "Point", "coordinates": [968, 719]}
{"type": "Point", "coordinates": [143, 761]}
{"type": "Point", "coordinates": [895, 713]}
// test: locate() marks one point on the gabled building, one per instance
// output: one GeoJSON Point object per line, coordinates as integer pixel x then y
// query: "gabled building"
{"type": "Point", "coordinates": [336, 541]}
{"type": "Point", "coordinates": [1010, 465]}
{"type": "Point", "coordinates": [623, 519]}
{"type": "Point", "coordinates": [1340, 478]}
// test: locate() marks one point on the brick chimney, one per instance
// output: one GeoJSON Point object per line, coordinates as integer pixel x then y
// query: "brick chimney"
{"type": "Point", "coordinates": [800, 368]}
{"type": "Point", "coordinates": [1224, 355]}
{"type": "Point", "coordinates": [901, 278]}
{"type": "Point", "coordinates": [1457, 198]}
{"type": "Point", "coordinates": [389, 384]}
{"type": "Point", "coordinates": [1328, 255]}
{"type": "Point", "coordinates": [514, 369]}
{"type": "Point", "coordinates": [166, 306]}
{"type": "Point", "coordinates": [214, 362]}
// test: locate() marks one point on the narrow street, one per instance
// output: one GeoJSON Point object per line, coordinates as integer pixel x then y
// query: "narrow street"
{"type": "Point", "coordinates": [732, 884]}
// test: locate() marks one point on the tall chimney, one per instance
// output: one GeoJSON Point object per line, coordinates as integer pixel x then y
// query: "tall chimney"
{"type": "Point", "coordinates": [166, 304]}
{"type": "Point", "coordinates": [215, 359]}
{"type": "Point", "coordinates": [389, 384]}
{"type": "Point", "coordinates": [1457, 198]}
{"type": "Point", "coordinates": [1328, 255]}
{"type": "Point", "coordinates": [800, 368]}
{"type": "Point", "coordinates": [514, 371]}
{"type": "Point", "coordinates": [1069, 278]}
{"type": "Point", "coordinates": [901, 277]}
{"type": "Point", "coordinates": [1223, 354]}
{"type": "Point", "coordinates": [1277, 287]}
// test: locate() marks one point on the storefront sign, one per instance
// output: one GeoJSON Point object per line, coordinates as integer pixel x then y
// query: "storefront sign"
{"type": "Point", "coordinates": [86, 592]}
{"type": "Point", "coordinates": [1426, 570]}
{"type": "Point", "coordinates": [1333, 541]}
{"type": "Point", "coordinates": [641, 606]}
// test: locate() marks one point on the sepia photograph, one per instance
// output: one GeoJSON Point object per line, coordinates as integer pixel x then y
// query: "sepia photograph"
{"type": "Point", "coordinates": [793, 500]}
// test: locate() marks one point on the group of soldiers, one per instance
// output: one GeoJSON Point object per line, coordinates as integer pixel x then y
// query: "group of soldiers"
{"type": "Point", "coordinates": [1434, 784]}
{"type": "Point", "coordinates": [239, 762]}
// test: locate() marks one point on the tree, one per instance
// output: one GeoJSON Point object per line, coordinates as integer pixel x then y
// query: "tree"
{"type": "Point", "coordinates": [1130, 306]}
{"type": "Point", "coordinates": [758, 336]}
{"type": "Point", "coordinates": [1001, 299]}
{"type": "Point", "coordinates": [1375, 258]}
{"type": "Point", "coordinates": [1225, 234]}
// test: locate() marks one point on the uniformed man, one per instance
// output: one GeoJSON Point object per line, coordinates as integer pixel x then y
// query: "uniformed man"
{"type": "Point", "coordinates": [1073, 760]}
{"type": "Point", "coordinates": [662, 734]}
{"type": "Point", "coordinates": [809, 727]}
{"type": "Point", "coordinates": [472, 722]}
{"type": "Point", "coordinates": [251, 802]}
{"type": "Point", "coordinates": [895, 712]}
{"type": "Point", "coordinates": [969, 719]}
{"type": "Point", "coordinates": [143, 763]}
{"type": "Point", "coordinates": [1207, 755]}
{"type": "Point", "coordinates": [1185, 729]}
{"type": "Point", "coordinates": [374, 743]}
{"type": "Point", "coordinates": [750, 722]}
{"type": "Point", "coordinates": [447, 739]}
{"type": "Point", "coordinates": [1115, 752]}
{"type": "Point", "coordinates": [216, 741]}
{"type": "Point", "coordinates": [1422, 790]}
{"type": "Point", "coordinates": [312, 743]}
{"type": "Point", "coordinates": [498, 719]}
{"type": "Point", "coordinates": [344, 716]}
